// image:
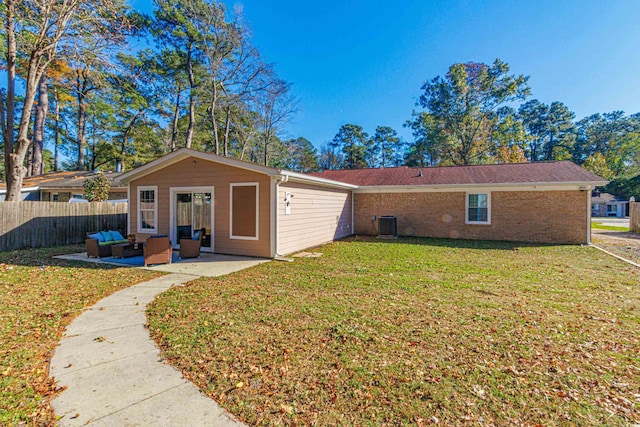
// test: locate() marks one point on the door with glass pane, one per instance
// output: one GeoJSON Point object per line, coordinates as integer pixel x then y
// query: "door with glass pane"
{"type": "Point", "coordinates": [193, 211]}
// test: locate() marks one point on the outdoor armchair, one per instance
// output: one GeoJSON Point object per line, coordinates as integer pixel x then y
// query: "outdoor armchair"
{"type": "Point", "coordinates": [157, 250]}
{"type": "Point", "coordinates": [190, 247]}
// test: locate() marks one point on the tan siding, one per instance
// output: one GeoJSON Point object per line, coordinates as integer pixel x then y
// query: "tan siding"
{"type": "Point", "coordinates": [318, 215]}
{"type": "Point", "coordinates": [527, 216]}
{"type": "Point", "coordinates": [195, 173]}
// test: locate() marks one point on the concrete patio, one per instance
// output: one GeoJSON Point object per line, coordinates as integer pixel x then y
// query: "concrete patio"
{"type": "Point", "coordinates": [207, 265]}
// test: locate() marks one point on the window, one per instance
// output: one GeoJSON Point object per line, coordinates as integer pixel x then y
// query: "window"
{"type": "Point", "coordinates": [244, 211]}
{"type": "Point", "coordinates": [147, 209]}
{"type": "Point", "coordinates": [479, 208]}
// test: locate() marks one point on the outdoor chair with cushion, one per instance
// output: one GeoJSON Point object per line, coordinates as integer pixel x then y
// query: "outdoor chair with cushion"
{"type": "Point", "coordinates": [190, 247]}
{"type": "Point", "coordinates": [157, 250]}
{"type": "Point", "coordinates": [99, 243]}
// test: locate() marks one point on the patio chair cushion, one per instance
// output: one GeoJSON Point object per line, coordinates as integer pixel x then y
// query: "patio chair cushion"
{"type": "Point", "coordinates": [107, 236]}
{"type": "Point", "coordinates": [97, 236]}
{"type": "Point", "coordinates": [113, 242]}
{"type": "Point", "coordinates": [115, 235]}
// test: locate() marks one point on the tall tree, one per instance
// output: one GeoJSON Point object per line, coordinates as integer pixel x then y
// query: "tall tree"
{"type": "Point", "coordinates": [390, 145]}
{"type": "Point", "coordinates": [606, 134]}
{"type": "Point", "coordinates": [462, 105]}
{"type": "Point", "coordinates": [351, 140]}
{"type": "Point", "coordinates": [174, 27]}
{"type": "Point", "coordinates": [428, 147]}
{"type": "Point", "coordinates": [37, 32]}
{"type": "Point", "coordinates": [303, 156]}
{"type": "Point", "coordinates": [509, 137]}
{"type": "Point", "coordinates": [274, 107]}
{"type": "Point", "coordinates": [330, 158]}
{"type": "Point", "coordinates": [35, 163]}
{"type": "Point", "coordinates": [550, 130]}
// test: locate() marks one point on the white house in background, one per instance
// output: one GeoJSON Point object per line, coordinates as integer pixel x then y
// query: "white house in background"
{"type": "Point", "coordinates": [608, 205]}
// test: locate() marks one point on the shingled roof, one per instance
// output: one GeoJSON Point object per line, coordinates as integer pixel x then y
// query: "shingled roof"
{"type": "Point", "coordinates": [508, 173]}
{"type": "Point", "coordinates": [66, 179]}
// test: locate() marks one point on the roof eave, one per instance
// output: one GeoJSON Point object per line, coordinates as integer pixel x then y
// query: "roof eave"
{"type": "Point", "coordinates": [184, 153]}
{"type": "Point", "coordinates": [587, 184]}
{"type": "Point", "coordinates": [309, 179]}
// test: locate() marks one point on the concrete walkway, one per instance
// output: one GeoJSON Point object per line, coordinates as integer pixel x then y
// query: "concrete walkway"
{"type": "Point", "coordinates": [113, 372]}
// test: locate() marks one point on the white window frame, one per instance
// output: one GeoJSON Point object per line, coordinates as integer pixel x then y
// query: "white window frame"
{"type": "Point", "coordinates": [244, 184]}
{"type": "Point", "coordinates": [140, 189]}
{"type": "Point", "coordinates": [466, 208]}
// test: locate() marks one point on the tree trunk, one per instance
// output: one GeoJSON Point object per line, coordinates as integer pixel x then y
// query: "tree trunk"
{"type": "Point", "coordinates": [37, 168]}
{"type": "Point", "coordinates": [56, 129]}
{"type": "Point", "coordinates": [11, 96]}
{"type": "Point", "coordinates": [212, 117]}
{"type": "Point", "coordinates": [266, 148]}
{"type": "Point", "coordinates": [176, 114]}
{"type": "Point", "coordinates": [15, 169]}
{"type": "Point", "coordinates": [192, 98]}
{"type": "Point", "coordinates": [81, 123]}
{"type": "Point", "coordinates": [125, 138]}
{"type": "Point", "coordinates": [227, 126]}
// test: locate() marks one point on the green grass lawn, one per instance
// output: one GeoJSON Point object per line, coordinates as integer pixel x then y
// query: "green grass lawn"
{"type": "Point", "coordinates": [600, 226]}
{"type": "Point", "coordinates": [415, 332]}
{"type": "Point", "coordinates": [39, 297]}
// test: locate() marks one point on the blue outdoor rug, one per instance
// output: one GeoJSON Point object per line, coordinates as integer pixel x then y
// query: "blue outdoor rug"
{"type": "Point", "coordinates": [135, 261]}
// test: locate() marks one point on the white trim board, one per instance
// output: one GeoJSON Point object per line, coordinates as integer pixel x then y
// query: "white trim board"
{"type": "Point", "coordinates": [244, 184]}
{"type": "Point", "coordinates": [172, 212]}
{"type": "Point", "coordinates": [140, 230]}
{"type": "Point", "coordinates": [466, 188]}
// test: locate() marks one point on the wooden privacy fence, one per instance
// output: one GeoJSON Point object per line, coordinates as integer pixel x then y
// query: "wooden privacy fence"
{"type": "Point", "coordinates": [43, 224]}
{"type": "Point", "coordinates": [634, 216]}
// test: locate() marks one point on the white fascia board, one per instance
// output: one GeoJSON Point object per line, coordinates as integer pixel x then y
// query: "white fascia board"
{"type": "Point", "coordinates": [23, 190]}
{"type": "Point", "coordinates": [534, 186]}
{"type": "Point", "coordinates": [185, 153]}
{"type": "Point", "coordinates": [308, 179]}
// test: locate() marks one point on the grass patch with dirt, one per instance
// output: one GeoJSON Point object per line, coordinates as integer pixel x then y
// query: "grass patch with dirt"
{"type": "Point", "coordinates": [414, 331]}
{"type": "Point", "coordinates": [39, 297]}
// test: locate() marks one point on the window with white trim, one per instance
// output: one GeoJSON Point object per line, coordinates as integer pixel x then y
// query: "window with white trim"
{"type": "Point", "coordinates": [244, 212]}
{"type": "Point", "coordinates": [148, 209]}
{"type": "Point", "coordinates": [478, 208]}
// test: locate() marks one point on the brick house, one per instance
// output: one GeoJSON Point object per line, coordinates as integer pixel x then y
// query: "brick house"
{"type": "Point", "coordinates": [248, 209]}
{"type": "Point", "coordinates": [544, 202]}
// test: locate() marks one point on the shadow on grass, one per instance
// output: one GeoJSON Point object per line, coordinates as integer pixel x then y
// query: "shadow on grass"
{"type": "Point", "coordinates": [617, 233]}
{"type": "Point", "coordinates": [449, 243]}
{"type": "Point", "coordinates": [36, 257]}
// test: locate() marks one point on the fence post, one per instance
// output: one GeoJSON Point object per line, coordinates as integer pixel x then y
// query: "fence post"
{"type": "Point", "coordinates": [634, 217]}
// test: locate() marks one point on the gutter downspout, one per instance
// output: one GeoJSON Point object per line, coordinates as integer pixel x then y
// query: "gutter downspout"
{"type": "Point", "coordinates": [128, 208]}
{"type": "Point", "coordinates": [275, 212]}
{"type": "Point", "coordinates": [589, 216]}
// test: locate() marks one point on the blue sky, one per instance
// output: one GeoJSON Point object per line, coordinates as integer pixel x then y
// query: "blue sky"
{"type": "Point", "coordinates": [364, 62]}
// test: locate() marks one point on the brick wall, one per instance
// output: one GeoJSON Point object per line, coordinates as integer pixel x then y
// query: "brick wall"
{"type": "Point", "coordinates": [526, 216]}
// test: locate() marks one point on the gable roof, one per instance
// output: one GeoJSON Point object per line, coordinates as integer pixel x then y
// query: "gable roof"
{"type": "Point", "coordinates": [62, 180]}
{"type": "Point", "coordinates": [562, 172]}
{"type": "Point", "coordinates": [184, 153]}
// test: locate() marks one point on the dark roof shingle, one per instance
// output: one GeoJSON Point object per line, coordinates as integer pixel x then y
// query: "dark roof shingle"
{"type": "Point", "coordinates": [507, 173]}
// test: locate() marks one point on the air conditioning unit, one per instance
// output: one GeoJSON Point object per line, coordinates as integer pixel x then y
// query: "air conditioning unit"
{"type": "Point", "coordinates": [388, 227]}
